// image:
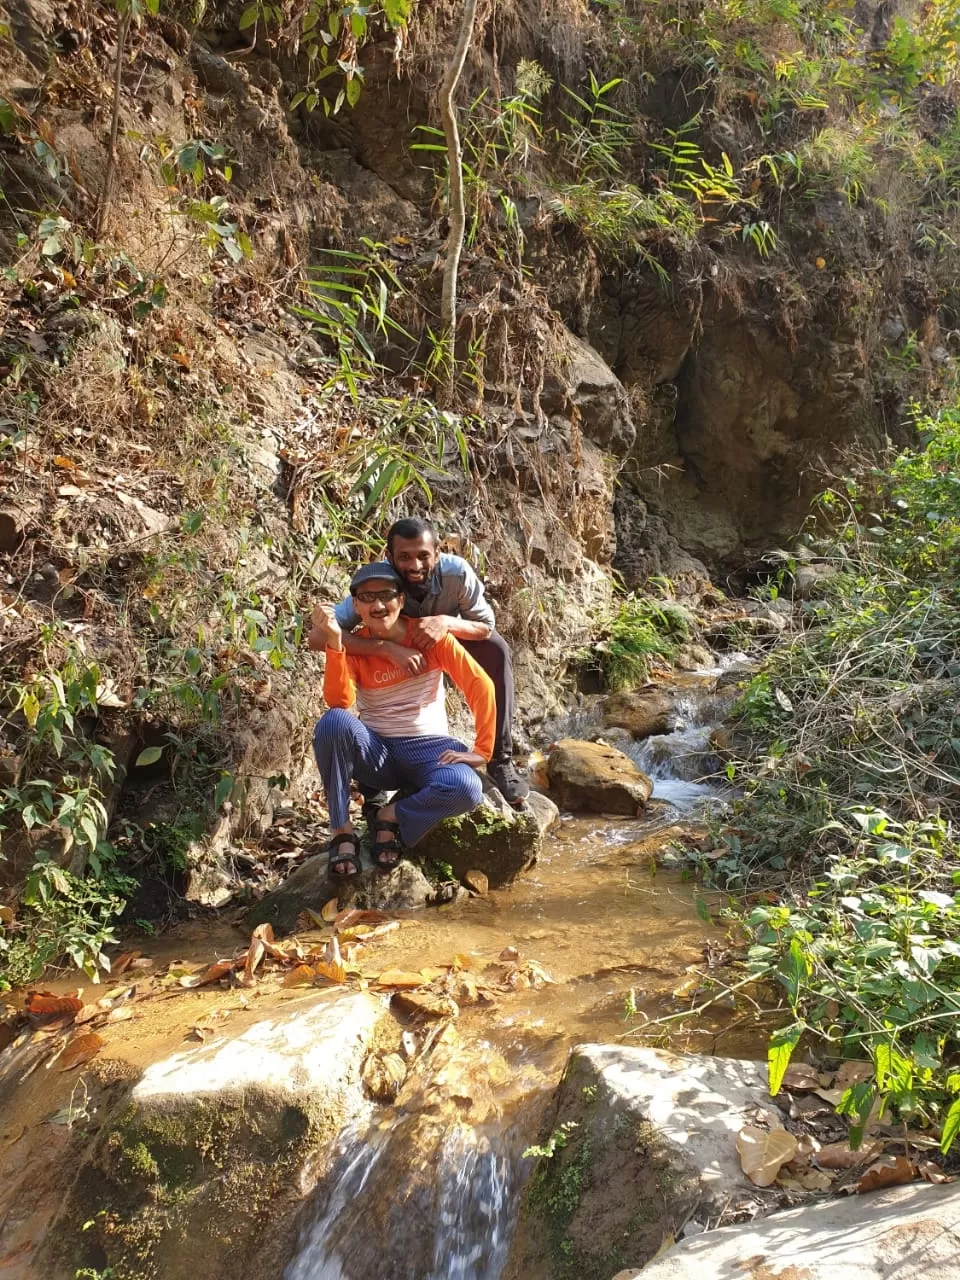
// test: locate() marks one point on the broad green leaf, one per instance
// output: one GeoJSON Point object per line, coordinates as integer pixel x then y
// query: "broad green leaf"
{"type": "Point", "coordinates": [779, 1053]}
{"type": "Point", "coordinates": [396, 12]}
{"type": "Point", "coordinates": [951, 1126]}
{"type": "Point", "coordinates": [224, 788]}
{"type": "Point", "coordinates": [149, 755]}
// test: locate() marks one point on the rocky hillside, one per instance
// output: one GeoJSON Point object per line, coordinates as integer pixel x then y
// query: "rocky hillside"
{"type": "Point", "coordinates": [707, 247]}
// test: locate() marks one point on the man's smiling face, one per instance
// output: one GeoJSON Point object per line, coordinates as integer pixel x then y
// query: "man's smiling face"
{"type": "Point", "coordinates": [414, 559]}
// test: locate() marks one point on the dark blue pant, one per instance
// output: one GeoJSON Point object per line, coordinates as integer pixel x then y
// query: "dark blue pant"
{"type": "Point", "coordinates": [345, 748]}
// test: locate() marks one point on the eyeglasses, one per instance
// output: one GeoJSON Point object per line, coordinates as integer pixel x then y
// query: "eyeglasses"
{"type": "Point", "coordinates": [371, 597]}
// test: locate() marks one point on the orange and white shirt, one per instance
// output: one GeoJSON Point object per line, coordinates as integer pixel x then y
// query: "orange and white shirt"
{"type": "Point", "coordinates": [397, 704]}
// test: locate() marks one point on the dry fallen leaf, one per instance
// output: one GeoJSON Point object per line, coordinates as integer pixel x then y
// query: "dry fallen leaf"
{"type": "Point", "coordinates": [330, 911]}
{"type": "Point", "coordinates": [255, 954]}
{"type": "Point", "coordinates": [121, 1014]}
{"type": "Point", "coordinates": [509, 953]}
{"type": "Point", "coordinates": [837, 1155]}
{"type": "Point", "coordinates": [851, 1073]}
{"type": "Point", "coordinates": [15, 1255]}
{"type": "Point", "coordinates": [43, 1004]}
{"type": "Point", "coordinates": [264, 932]}
{"type": "Point", "coordinates": [332, 970]}
{"type": "Point", "coordinates": [462, 961]}
{"type": "Point", "coordinates": [122, 962]}
{"type": "Point", "coordinates": [889, 1171]}
{"type": "Point", "coordinates": [801, 1076]}
{"type": "Point", "coordinates": [356, 915]}
{"type": "Point", "coordinates": [763, 1154]}
{"type": "Point", "coordinates": [931, 1172]}
{"type": "Point", "coordinates": [80, 1050]}
{"type": "Point", "coordinates": [299, 976]}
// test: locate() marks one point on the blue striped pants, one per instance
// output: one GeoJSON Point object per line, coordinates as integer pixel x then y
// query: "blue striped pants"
{"type": "Point", "coordinates": [345, 748]}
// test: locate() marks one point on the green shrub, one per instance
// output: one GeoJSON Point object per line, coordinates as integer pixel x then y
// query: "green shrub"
{"type": "Point", "coordinates": [854, 793]}
{"type": "Point", "coordinates": [640, 631]}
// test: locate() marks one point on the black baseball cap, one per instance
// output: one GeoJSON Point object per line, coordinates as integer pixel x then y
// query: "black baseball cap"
{"type": "Point", "coordinates": [380, 569]}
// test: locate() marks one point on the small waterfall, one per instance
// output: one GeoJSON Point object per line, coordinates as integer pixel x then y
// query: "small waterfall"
{"type": "Point", "coordinates": [683, 765]}
{"type": "Point", "coordinates": [421, 1199]}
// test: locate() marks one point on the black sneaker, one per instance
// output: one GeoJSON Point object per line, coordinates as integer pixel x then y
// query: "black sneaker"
{"type": "Point", "coordinates": [509, 782]}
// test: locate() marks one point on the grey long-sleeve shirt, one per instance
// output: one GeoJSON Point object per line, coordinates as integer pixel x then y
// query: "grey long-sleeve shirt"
{"type": "Point", "coordinates": [454, 590]}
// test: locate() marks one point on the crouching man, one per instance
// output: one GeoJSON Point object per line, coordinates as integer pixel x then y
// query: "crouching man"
{"type": "Point", "coordinates": [399, 737]}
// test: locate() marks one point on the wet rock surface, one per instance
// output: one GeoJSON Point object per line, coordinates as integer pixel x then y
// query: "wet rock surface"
{"type": "Point", "coordinates": [593, 776]}
{"type": "Point", "coordinates": [310, 887]}
{"type": "Point", "coordinates": [907, 1232]}
{"type": "Point", "coordinates": [643, 713]}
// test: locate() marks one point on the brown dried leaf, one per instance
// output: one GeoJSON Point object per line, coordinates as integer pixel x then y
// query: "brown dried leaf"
{"type": "Point", "coordinates": [931, 1172]}
{"type": "Point", "coordinates": [299, 977]}
{"type": "Point", "coordinates": [7, 915]}
{"type": "Point", "coordinates": [264, 932]}
{"type": "Point", "coordinates": [255, 954]}
{"type": "Point", "coordinates": [16, 1254]}
{"type": "Point", "coordinates": [332, 970]}
{"type": "Point", "coordinates": [80, 1050]}
{"type": "Point", "coordinates": [889, 1171]}
{"type": "Point", "coordinates": [763, 1153]}
{"type": "Point", "coordinates": [356, 915]}
{"type": "Point", "coordinates": [837, 1155]}
{"type": "Point", "coordinates": [44, 1004]}
{"type": "Point", "coordinates": [462, 961]}
{"type": "Point", "coordinates": [123, 962]}
{"type": "Point", "coordinates": [330, 911]}
{"type": "Point", "coordinates": [801, 1076]}
{"type": "Point", "coordinates": [851, 1073]}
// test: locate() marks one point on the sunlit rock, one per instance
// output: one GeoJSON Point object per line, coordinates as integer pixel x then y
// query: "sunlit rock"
{"type": "Point", "coordinates": [201, 1167]}
{"type": "Point", "coordinates": [591, 775]}
{"type": "Point", "coordinates": [642, 1141]}
{"type": "Point", "coordinates": [910, 1232]}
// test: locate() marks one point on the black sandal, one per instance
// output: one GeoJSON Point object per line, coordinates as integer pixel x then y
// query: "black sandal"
{"type": "Point", "coordinates": [336, 858]}
{"type": "Point", "coordinates": [392, 848]}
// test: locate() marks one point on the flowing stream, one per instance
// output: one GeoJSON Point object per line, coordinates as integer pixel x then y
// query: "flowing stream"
{"type": "Point", "coordinates": [428, 1189]}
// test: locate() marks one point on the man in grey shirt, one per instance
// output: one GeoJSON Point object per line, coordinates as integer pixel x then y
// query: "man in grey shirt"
{"type": "Point", "coordinates": [445, 596]}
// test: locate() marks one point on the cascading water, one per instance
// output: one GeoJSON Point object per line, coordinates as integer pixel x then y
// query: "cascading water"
{"type": "Point", "coordinates": [417, 1200]}
{"type": "Point", "coordinates": [683, 765]}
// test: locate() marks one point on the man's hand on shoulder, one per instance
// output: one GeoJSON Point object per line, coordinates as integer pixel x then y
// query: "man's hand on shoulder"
{"type": "Point", "coordinates": [411, 661]}
{"type": "Point", "coordinates": [425, 632]}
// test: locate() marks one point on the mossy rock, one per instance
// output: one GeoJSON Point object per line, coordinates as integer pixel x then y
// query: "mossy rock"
{"type": "Point", "coordinates": [495, 838]}
{"type": "Point", "coordinates": [199, 1170]}
{"type": "Point", "coordinates": [640, 1140]}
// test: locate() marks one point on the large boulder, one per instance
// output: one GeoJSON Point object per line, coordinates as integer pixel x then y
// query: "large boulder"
{"type": "Point", "coordinates": [910, 1232]}
{"type": "Point", "coordinates": [591, 775]}
{"type": "Point", "coordinates": [642, 1141]}
{"type": "Point", "coordinates": [643, 713]}
{"type": "Point", "coordinates": [495, 838]}
{"type": "Point", "coordinates": [203, 1165]}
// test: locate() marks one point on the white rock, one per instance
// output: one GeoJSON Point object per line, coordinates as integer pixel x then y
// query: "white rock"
{"type": "Point", "coordinates": [698, 1104]}
{"type": "Point", "coordinates": [909, 1233]}
{"type": "Point", "coordinates": [310, 1050]}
